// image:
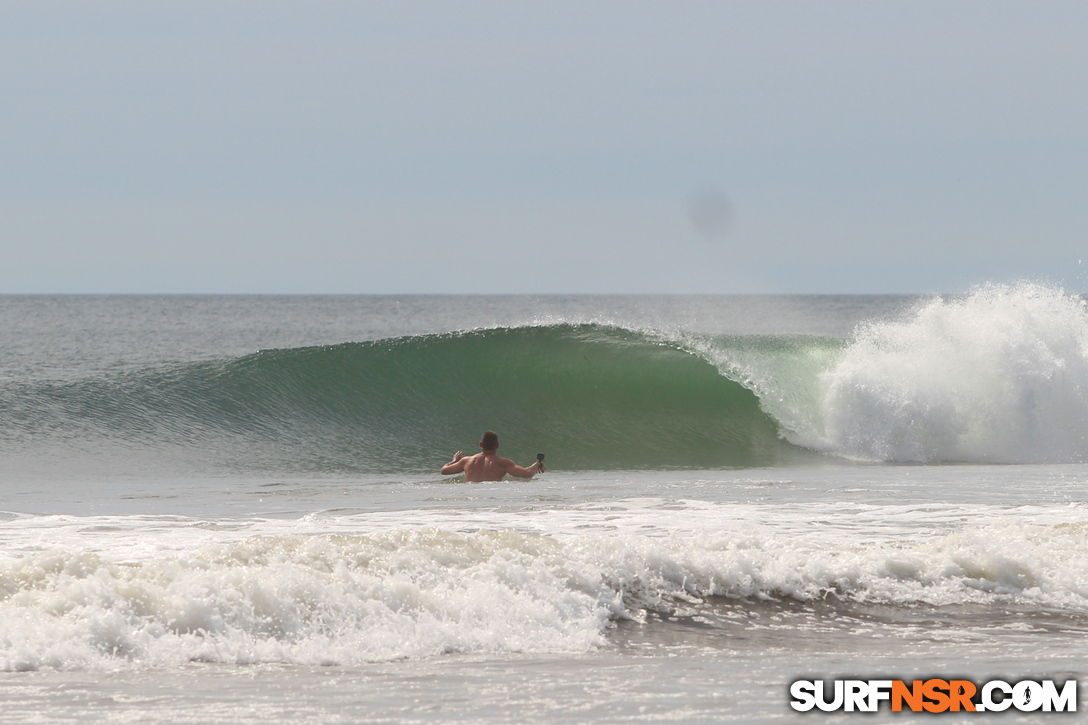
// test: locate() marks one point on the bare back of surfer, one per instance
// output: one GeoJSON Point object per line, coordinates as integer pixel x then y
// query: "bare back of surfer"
{"type": "Point", "coordinates": [487, 465]}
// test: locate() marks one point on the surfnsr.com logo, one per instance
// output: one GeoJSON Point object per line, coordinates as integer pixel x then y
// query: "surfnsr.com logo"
{"type": "Point", "coordinates": [934, 695]}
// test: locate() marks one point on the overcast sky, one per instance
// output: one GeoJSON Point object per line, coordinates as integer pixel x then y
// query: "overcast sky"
{"type": "Point", "coordinates": [354, 147]}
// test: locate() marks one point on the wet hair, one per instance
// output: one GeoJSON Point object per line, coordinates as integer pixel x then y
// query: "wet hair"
{"type": "Point", "coordinates": [489, 441]}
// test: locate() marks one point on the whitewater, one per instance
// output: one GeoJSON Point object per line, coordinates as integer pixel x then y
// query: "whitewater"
{"type": "Point", "coordinates": [228, 508]}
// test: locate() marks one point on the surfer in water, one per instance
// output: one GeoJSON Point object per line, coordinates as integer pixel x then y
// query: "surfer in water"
{"type": "Point", "coordinates": [486, 465]}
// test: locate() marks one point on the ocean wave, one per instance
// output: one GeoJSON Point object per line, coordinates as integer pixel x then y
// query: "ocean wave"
{"type": "Point", "coordinates": [996, 376]}
{"type": "Point", "coordinates": [416, 593]}
{"type": "Point", "coordinates": [592, 397]}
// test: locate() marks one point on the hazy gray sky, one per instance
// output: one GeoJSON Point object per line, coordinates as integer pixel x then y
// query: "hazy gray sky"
{"type": "Point", "coordinates": [356, 147]}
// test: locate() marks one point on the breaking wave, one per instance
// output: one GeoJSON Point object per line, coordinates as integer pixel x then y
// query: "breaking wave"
{"type": "Point", "coordinates": [998, 376]}
{"type": "Point", "coordinates": [347, 598]}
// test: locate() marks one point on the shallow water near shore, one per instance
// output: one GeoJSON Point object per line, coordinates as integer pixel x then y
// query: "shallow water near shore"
{"type": "Point", "coordinates": [227, 509]}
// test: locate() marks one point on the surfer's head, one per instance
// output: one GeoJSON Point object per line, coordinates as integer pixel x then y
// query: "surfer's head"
{"type": "Point", "coordinates": [489, 441]}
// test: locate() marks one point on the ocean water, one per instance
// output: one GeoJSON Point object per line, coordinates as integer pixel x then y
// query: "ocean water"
{"type": "Point", "coordinates": [228, 509]}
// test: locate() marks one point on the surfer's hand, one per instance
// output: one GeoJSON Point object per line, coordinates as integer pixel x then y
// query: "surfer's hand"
{"type": "Point", "coordinates": [458, 456]}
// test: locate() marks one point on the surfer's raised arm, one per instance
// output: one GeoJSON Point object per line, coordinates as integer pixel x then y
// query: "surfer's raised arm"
{"type": "Point", "coordinates": [456, 465]}
{"type": "Point", "coordinates": [486, 465]}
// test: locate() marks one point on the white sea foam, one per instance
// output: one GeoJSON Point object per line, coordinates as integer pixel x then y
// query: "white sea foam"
{"type": "Point", "coordinates": [997, 376]}
{"type": "Point", "coordinates": [317, 591]}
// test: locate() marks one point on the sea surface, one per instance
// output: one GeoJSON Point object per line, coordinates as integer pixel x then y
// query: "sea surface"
{"type": "Point", "coordinates": [228, 509]}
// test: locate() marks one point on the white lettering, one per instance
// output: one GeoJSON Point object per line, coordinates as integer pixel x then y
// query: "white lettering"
{"type": "Point", "coordinates": [879, 690]}
{"type": "Point", "coordinates": [988, 701]}
{"type": "Point", "coordinates": [993, 696]}
{"type": "Point", "coordinates": [1027, 695]}
{"type": "Point", "coordinates": [1066, 701]}
{"type": "Point", "coordinates": [824, 704]}
{"type": "Point", "coordinates": [857, 695]}
{"type": "Point", "coordinates": [804, 695]}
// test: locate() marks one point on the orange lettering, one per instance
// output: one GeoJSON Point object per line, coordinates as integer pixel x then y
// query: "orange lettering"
{"type": "Point", "coordinates": [961, 692]}
{"type": "Point", "coordinates": [913, 696]}
{"type": "Point", "coordinates": [932, 689]}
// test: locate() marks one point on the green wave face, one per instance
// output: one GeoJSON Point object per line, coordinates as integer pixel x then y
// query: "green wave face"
{"type": "Point", "coordinates": [588, 396]}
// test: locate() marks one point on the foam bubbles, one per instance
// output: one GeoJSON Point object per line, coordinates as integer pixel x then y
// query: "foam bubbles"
{"type": "Point", "coordinates": [314, 600]}
{"type": "Point", "coordinates": [346, 598]}
{"type": "Point", "coordinates": [997, 376]}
